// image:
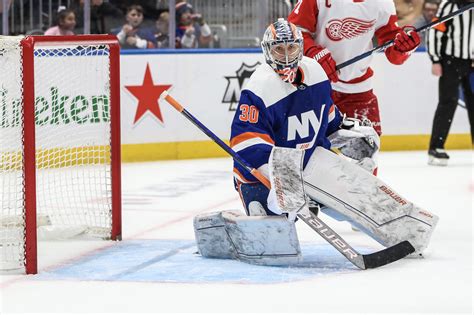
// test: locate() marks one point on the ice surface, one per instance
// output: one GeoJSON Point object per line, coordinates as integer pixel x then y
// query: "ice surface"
{"type": "Point", "coordinates": [155, 268]}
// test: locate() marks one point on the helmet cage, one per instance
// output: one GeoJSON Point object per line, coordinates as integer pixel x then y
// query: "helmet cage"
{"type": "Point", "coordinates": [282, 35]}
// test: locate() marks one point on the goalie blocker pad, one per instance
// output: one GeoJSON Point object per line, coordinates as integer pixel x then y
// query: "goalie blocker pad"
{"type": "Point", "coordinates": [261, 240]}
{"type": "Point", "coordinates": [352, 194]}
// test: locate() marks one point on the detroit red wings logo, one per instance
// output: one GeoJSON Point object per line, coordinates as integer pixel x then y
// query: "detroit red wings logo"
{"type": "Point", "coordinates": [347, 28]}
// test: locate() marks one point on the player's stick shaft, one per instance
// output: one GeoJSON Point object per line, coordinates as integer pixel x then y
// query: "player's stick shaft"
{"type": "Point", "coordinates": [390, 43]}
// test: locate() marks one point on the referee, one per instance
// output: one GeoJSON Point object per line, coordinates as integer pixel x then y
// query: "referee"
{"type": "Point", "coordinates": [451, 49]}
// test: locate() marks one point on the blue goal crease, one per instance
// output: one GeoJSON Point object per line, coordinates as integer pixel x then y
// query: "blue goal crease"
{"type": "Point", "coordinates": [149, 262]}
{"type": "Point", "coordinates": [176, 261]}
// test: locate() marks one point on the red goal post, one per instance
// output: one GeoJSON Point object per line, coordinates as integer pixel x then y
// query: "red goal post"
{"type": "Point", "coordinates": [67, 167]}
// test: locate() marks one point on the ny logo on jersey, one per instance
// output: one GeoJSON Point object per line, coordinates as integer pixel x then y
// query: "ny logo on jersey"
{"type": "Point", "coordinates": [301, 127]}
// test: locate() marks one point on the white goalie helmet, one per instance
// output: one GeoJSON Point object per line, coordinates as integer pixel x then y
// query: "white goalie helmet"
{"type": "Point", "coordinates": [282, 46]}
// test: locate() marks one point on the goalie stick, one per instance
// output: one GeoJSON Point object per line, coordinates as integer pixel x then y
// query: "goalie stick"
{"type": "Point", "coordinates": [362, 261]}
{"type": "Point", "coordinates": [390, 43]}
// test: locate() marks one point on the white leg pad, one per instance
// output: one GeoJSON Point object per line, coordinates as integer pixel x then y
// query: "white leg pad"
{"type": "Point", "coordinates": [355, 195]}
{"type": "Point", "coordinates": [262, 240]}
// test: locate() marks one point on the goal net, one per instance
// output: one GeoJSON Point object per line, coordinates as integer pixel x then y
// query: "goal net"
{"type": "Point", "coordinates": [59, 142]}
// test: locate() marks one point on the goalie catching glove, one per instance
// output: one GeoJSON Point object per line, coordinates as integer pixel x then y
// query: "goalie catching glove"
{"type": "Point", "coordinates": [358, 141]}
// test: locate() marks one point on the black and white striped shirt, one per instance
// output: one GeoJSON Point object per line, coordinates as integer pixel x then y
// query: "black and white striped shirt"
{"type": "Point", "coordinates": [456, 37]}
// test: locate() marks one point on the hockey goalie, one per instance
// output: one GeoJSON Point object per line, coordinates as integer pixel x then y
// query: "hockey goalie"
{"type": "Point", "coordinates": [288, 128]}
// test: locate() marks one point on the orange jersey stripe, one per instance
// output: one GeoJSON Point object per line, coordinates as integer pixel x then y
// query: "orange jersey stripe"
{"type": "Point", "coordinates": [249, 135]}
{"type": "Point", "coordinates": [331, 110]}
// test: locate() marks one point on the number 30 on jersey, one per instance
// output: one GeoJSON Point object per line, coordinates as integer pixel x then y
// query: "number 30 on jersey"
{"type": "Point", "coordinates": [249, 113]}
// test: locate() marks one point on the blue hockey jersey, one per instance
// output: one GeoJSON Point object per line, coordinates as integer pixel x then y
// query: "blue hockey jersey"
{"type": "Point", "coordinates": [272, 112]}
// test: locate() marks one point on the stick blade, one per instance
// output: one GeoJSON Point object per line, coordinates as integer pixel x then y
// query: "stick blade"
{"type": "Point", "coordinates": [388, 255]}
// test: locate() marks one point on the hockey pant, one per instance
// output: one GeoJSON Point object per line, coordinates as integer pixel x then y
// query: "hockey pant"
{"type": "Point", "coordinates": [359, 105]}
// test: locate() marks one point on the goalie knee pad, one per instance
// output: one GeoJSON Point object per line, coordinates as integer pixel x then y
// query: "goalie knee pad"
{"type": "Point", "coordinates": [255, 208]}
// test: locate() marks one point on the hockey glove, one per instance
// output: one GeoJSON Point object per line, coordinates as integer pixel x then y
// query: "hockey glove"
{"type": "Point", "coordinates": [407, 40]}
{"type": "Point", "coordinates": [356, 139]}
{"type": "Point", "coordinates": [323, 56]}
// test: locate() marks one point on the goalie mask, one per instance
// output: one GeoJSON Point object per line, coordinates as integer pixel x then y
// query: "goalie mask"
{"type": "Point", "coordinates": [282, 46]}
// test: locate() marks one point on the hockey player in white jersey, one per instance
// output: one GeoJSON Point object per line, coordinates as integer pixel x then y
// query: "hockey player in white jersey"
{"type": "Point", "coordinates": [336, 31]}
{"type": "Point", "coordinates": [286, 104]}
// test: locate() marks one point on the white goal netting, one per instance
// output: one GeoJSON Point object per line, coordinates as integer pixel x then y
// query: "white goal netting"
{"type": "Point", "coordinates": [73, 144]}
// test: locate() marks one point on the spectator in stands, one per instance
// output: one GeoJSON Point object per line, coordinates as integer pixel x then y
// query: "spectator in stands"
{"type": "Point", "coordinates": [9, 2]}
{"type": "Point", "coordinates": [191, 29]}
{"type": "Point", "coordinates": [408, 11]}
{"type": "Point", "coordinates": [132, 34]}
{"type": "Point", "coordinates": [151, 8]}
{"type": "Point", "coordinates": [65, 23]}
{"type": "Point", "coordinates": [429, 12]}
{"type": "Point", "coordinates": [104, 16]}
{"type": "Point", "coordinates": [162, 27]}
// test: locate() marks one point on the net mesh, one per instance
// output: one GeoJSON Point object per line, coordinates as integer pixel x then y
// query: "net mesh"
{"type": "Point", "coordinates": [73, 178]}
{"type": "Point", "coordinates": [12, 219]}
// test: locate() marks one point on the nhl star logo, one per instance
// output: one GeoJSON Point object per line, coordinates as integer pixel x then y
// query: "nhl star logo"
{"type": "Point", "coordinates": [235, 84]}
